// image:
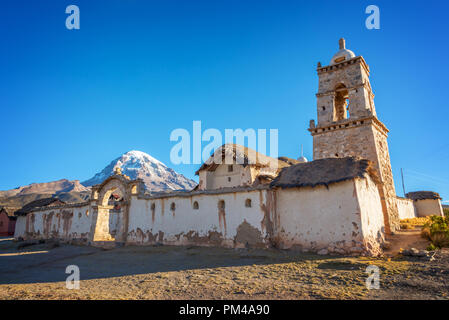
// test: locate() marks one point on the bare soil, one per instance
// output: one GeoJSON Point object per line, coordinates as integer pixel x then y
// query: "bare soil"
{"type": "Point", "coordinates": [164, 272]}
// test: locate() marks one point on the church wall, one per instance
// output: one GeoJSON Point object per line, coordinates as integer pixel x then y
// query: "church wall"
{"type": "Point", "coordinates": [406, 208]}
{"type": "Point", "coordinates": [231, 226]}
{"type": "Point", "coordinates": [371, 215]}
{"type": "Point", "coordinates": [240, 176]}
{"type": "Point", "coordinates": [66, 223]}
{"type": "Point", "coordinates": [343, 218]}
{"type": "Point", "coordinates": [330, 219]}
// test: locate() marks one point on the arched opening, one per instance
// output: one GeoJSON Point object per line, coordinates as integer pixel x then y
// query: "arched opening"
{"type": "Point", "coordinates": [196, 206]}
{"type": "Point", "coordinates": [248, 203]}
{"type": "Point", "coordinates": [111, 211]}
{"type": "Point", "coordinates": [341, 103]}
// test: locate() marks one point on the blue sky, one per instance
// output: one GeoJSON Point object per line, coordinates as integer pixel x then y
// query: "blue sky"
{"type": "Point", "coordinates": [73, 100]}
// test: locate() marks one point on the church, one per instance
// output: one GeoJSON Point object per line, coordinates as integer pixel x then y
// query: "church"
{"type": "Point", "coordinates": [342, 202]}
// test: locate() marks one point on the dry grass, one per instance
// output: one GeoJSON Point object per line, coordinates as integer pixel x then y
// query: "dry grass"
{"type": "Point", "coordinates": [412, 223]}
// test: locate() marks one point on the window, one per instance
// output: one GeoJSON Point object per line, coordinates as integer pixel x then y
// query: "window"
{"type": "Point", "coordinates": [221, 204]}
{"type": "Point", "coordinates": [248, 203]}
{"type": "Point", "coordinates": [341, 103]}
{"type": "Point", "coordinates": [153, 206]}
{"type": "Point", "coordinates": [172, 206]}
{"type": "Point", "coordinates": [196, 205]}
{"type": "Point", "coordinates": [229, 179]}
{"type": "Point", "coordinates": [87, 213]}
{"type": "Point", "coordinates": [230, 168]}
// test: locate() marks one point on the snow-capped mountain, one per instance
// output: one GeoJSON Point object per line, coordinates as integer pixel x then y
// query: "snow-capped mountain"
{"type": "Point", "coordinates": [137, 164]}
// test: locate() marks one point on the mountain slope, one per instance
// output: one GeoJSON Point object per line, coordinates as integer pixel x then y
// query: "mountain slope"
{"type": "Point", "coordinates": [137, 164]}
{"type": "Point", "coordinates": [54, 187]}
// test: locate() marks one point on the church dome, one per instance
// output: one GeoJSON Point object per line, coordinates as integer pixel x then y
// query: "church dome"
{"type": "Point", "coordinates": [343, 54]}
{"type": "Point", "coordinates": [302, 159]}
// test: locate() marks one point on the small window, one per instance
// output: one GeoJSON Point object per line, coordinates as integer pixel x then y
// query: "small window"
{"type": "Point", "coordinates": [324, 108]}
{"type": "Point", "coordinates": [229, 179]}
{"type": "Point", "coordinates": [196, 205]}
{"type": "Point", "coordinates": [221, 204]}
{"type": "Point", "coordinates": [248, 203]}
{"type": "Point", "coordinates": [172, 206]}
{"type": "Point", "coordinates": [336, 155]}
{"type": "Point", "coordinates": [87, 213]}
{"type": "Point", "coordinates": [79, 215]}
{"type": "Point", "coordinates": [230, 168]}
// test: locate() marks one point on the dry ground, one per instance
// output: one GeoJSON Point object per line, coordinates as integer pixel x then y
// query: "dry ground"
{"type": "Point", "coordinates": [163, 272]}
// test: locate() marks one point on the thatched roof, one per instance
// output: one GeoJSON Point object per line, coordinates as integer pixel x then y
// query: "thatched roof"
{"type": "Point", "coordinates": [324, 172]}
{"type": "Point", "coordinates": [45, 202]}
{"type": "Point", "coordinates": [288, 160]}
{"type": "Point", "coordinates": [422, 195]}
{"type": "Point", "coordinates": [237, 154]}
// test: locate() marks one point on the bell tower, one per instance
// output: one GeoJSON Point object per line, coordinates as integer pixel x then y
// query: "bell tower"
{"type": "Point", "coordinates": [348, 125]}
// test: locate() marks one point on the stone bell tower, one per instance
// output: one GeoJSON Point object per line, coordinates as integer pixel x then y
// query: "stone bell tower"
{"type": "Point", "coordinates": [348, 125]}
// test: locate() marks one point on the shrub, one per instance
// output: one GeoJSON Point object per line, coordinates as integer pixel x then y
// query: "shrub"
{"type": "Point", "coordinates": [437, 231]}
{"type": "Point", "coordinates": [446, 212]}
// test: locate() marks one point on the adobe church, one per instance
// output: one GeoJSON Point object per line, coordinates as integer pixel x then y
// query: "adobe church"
{"type": "Point", "coordinates": [342, 202]}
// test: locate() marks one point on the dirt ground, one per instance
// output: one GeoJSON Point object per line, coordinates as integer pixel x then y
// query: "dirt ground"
{"type": "Point", "coordinates": [164, 272]}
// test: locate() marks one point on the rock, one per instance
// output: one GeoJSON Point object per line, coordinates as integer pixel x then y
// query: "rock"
{"type": "Point", "coordinates": [356, 249]}
{"type": "Point", "coordinates": [322, 252]}
{"type": "Point", "coordinates": [386, 245]}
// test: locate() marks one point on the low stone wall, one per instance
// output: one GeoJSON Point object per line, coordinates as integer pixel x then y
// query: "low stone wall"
{"type": "Point", "coordinates": [406, 208]}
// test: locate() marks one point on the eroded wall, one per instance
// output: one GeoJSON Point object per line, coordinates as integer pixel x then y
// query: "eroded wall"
{"type": "Point", "coordinates": [406, 208]}
{"type": "Point", "coordinates": [331, 219]}
{"type": "Point", "coordinates": [345, 217]}
{"type": "Point", "coordinates": [174, 220]}
{"type": "Point", "coordinates": [65, 223]}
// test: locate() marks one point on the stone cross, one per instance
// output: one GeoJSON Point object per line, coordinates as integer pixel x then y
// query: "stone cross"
{"type": "Point", "coordinates": [342, 44]}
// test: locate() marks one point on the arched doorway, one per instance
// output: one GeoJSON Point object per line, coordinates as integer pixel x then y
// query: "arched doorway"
{"type": "Point", "coordinates": [112, 211]}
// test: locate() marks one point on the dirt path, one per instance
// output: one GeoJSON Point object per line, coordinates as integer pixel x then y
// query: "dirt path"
{"type": "Point", "coordinates": [212, 273]}
{"type": "Point", "coordinates": [405, 239]}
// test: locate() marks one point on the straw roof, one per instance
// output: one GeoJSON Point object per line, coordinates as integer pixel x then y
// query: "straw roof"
{"type": "Point", "coordinates": [422, 195]}
{"type": "Point", "coordinates": [238, 154]}
{"type": "Point", "coordinates": [45, 202]}
{"type": "Point", "coordinates": [324, 172]}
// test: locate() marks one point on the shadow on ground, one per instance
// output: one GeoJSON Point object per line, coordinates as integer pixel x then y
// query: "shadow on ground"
{"type": "Point", "coordinates": [47, 263]}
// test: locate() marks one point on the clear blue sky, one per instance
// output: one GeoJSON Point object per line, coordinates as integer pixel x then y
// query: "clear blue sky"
{"type": "Point", "coordinates": [73, 100]}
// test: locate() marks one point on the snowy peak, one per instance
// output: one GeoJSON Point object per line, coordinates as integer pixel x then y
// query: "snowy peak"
{"type": "Point", "coordinates": [137, 164]}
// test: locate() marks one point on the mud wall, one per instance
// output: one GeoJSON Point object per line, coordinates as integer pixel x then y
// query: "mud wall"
{"type": "Point", "coordinates": [406, 208]}
{"type": "Point", "coordinates": [339, 218]}
{"type": "Point", "coordinates": [66, 223]}
{"type": "Point", "coordinates": [234, 219]}
{"type": "Point", "coordinates": [428, 207]}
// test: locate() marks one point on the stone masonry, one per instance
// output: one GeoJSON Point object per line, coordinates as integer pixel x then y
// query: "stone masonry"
{"type": "Point", "coordinates": [348, 124]}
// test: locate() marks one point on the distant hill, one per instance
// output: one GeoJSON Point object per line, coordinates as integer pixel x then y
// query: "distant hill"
{"type": "Point", "coordinates": [66, 190]}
